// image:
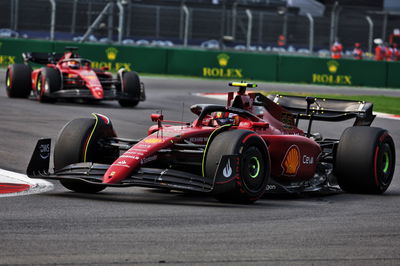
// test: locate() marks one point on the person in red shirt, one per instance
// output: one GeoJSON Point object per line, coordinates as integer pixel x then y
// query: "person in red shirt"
{"type": "Point", "coordinates": [388, 52]}
{"type": "Point", "coordinates": [380, 51]}
{"type": "Point", "coordinates": [395, 52]}
{"type": "Point", "coordinates": [357, 51]}
{"type": "Point", "coordinates": [336, 50]}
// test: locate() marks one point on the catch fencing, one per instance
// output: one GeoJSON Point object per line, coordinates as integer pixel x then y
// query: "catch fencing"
{"type": "Point", "coordinates": [218, 64]}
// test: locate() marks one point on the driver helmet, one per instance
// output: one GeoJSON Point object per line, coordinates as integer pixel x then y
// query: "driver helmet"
{"type": "Point", "coordinates": [73, 64]}
{"type": "Point", "coordinates": [222, 118]}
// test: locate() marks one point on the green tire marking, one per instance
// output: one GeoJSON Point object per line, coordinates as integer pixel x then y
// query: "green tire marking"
{"type": "Point", "coordinates": [387, 161]}
{"type": "Point", "coordinates": [253, 166]}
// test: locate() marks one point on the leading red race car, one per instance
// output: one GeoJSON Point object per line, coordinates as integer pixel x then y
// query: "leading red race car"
{"type": "Point", "coordinates": [236, 152]}
{"type": "Point", "coordinates": [69, 76]}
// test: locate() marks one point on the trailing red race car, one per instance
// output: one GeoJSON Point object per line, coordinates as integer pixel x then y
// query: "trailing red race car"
{"type": "Point", "coordinates": [236, 152]}
{"type": "Point", "coordinates": [70, 76]}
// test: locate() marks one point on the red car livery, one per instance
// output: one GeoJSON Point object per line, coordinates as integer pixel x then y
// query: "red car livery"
{"type": "Point", "coordinates": [70, 76]}
{"type": "Point", "coordinates": [238, 152]}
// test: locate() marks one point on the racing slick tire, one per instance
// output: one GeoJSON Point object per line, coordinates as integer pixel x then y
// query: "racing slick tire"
{"type": "Point", "coordinates": [131, 86]}
{"type": "Point", "coordinates": [18, 81]}
{"type": "Point", "coordinates": [250, 183]}
{"type": "Point", "coordinates": [365, 160]}
{"type": "Point", "coordinates": [49, 81]}
{"type": "Point", "coordinates": [73, 147]}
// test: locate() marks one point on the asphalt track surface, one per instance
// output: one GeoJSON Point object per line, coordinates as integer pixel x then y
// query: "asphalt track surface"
{"type": "Point", "coordinates": [141, 226]}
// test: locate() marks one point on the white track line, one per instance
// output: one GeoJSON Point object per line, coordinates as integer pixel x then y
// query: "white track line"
{"type": "Point", "coordinates": [37, 185]}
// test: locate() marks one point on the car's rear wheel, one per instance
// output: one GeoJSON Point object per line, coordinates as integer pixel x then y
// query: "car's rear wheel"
{"type": "Point", "coordinates": [365, 160]}
{"type": "Point", "coordinates": [78, 142]}
{"type": "Point", "coordinates": [18, 81]}
{"type": "Point", "coordinates": [49, 81]}
{"type": "Point", "coordinates": [131, 86]}
{"type": "Point", "coordinates": [251, 181]}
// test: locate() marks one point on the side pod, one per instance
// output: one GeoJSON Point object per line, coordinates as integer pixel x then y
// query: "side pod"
{"type": "Point", "coordinates": [40, 160]}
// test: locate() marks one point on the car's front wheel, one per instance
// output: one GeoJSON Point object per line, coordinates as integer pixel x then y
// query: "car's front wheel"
{"type": "Point", "coordinates": [78, 142]}
{"type": "Point", "coordinates": [49, 81]}
{"type": "Point", "coordinates": [251, 180]}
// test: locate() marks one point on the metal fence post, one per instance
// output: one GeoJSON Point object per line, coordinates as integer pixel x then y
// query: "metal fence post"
{"type": "Point", "coordinates": [384, 25]}
{"type": "Point", "coordinates": [53, 18]}
{"type": "Point", "coordinates": [371, 33]}
{"type": "Point", "coordinates": [249, 28]}
{"type": "Point", "coordinates": [311, 33]}
{"type": "Point", "coordinates": [157, 22]}
{"type": "Point", "coordinates": [16, 14]}
{"type": "Point", "coordinates": [14, 10]}
{"type": "Point", "coordinates": [332, 31]}
{"type": "Point", "coordinates": [121, 21]}
{"type": "Point", "coordinates": [12, 13]}
{"type": "Point", "coordinates": [186, 30]}
{"type": "Point", "coordinates": [73, 22]}
{"type": "Point", "coordinates": [110, 22]}
{"type": "Point", "coordinates": [129, 19]}
{"type": "Point", "coordinates": [234, 15]}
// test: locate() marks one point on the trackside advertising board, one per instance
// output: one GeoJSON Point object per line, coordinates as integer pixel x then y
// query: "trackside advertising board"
{"type": "Point", "coordinates": [347, 72]}
{"type": "Point", "coordinates": [217, 64]}
{"type": "Point", "coordinates": [227, 65]}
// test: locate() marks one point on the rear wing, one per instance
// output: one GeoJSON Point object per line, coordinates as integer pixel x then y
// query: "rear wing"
{"type": "Point", "coordinates": [42, 58]}
{"type": "Point", "coordinates": [313, 108]}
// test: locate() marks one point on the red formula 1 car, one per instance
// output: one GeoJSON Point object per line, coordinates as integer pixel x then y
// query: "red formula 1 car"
{"type": "Point", "coordinates": [70, 76]}
{"type": "Point", "coordinates": [236, 152]}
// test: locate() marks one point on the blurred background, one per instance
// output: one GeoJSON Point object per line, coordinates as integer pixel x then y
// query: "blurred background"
{"type": "Point", "coordinates": [284, 26]}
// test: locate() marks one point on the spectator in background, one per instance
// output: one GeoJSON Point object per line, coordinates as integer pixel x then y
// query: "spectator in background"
{"type": "Point", "coordinates": [281, 40]}
{"type": "Point", "coordinates": [336, 50]}
{"type": "Point", "coordinates": [388, 52]}
{"type": "Point", "coordinates": [357, 51]}
{"type": "Point", "coordinates": [380, 51]}
{"type": "Point", "coordinates": [396, 53]}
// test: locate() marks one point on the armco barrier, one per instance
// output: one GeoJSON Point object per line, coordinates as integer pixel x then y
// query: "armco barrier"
{"type": "Point", "coordinates": [347, 72]}
{"type": "Point", "coordinates": [218, 64]}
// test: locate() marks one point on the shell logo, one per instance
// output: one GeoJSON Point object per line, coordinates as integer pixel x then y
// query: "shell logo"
{"type": "Point", "coordinates": [153, 140]}
{"type": "Point", "coordinates": [291, 162]}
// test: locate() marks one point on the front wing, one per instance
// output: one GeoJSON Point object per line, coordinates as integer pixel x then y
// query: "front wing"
{"type": "Point", "coordinates": [93, 173]}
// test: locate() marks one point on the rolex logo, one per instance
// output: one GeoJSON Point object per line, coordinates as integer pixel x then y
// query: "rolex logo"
{"type": "Point", "coordinates": [111, 53]}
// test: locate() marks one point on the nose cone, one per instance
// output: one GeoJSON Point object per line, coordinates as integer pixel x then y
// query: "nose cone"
{"type": "Point", "coordinates": [98, 93]}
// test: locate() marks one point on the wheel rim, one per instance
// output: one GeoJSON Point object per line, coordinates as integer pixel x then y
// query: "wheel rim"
{"type": "Point", "coordinates": [386, 162]}
{"type": "Point", "coordinates": [39, 85]}
{"type": "Point", "coordinates": [8, 81]}
{"type": "Point", "coordinates": [254, 167]}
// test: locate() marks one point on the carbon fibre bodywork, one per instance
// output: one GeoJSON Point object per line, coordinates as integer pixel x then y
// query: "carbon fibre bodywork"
{"type": "Point", "coordinates": [176, 156]}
